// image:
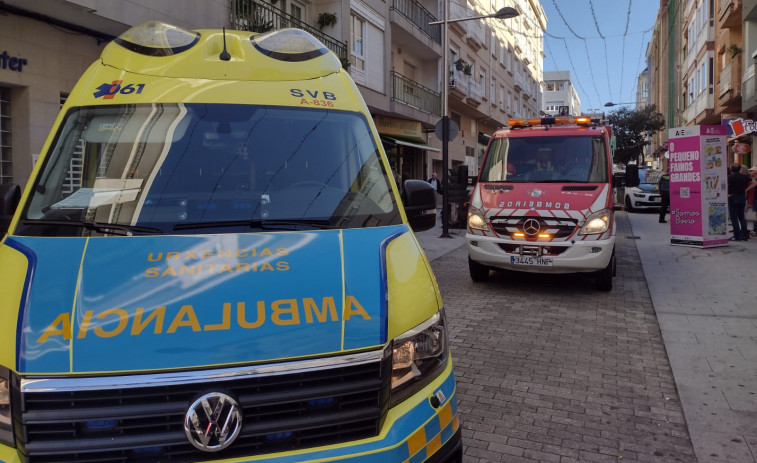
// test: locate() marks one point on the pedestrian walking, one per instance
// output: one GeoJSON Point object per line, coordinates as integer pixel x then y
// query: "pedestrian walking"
{"type": "Point", "coordinates": [737, 184]}
{"type": "Point", "coordinates": [664, 187]}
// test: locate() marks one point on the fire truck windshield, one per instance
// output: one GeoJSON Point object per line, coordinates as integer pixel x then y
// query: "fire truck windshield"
{"type": "Point", "coordinates": [558, 159]}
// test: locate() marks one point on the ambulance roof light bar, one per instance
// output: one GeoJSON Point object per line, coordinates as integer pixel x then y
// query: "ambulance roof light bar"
{"type": "Point", "coordinates": [548, 121]}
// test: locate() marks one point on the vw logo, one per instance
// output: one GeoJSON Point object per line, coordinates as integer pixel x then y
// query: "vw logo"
{"type": "Point", "coordinates": [213, 422]}
{"type": "Point", "coordinates": [531, 227]}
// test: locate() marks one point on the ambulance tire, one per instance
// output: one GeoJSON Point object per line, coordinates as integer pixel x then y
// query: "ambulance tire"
{"type": "Point", "coordinates": [604, 277]}
{"type": "Point", "coordinates": [478, 272]}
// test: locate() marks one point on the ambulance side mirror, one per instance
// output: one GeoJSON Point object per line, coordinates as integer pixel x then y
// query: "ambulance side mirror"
{"type": "Point", "coordinates": [419, 199]}
{"type": "Point", "coordinates": [10, 195]}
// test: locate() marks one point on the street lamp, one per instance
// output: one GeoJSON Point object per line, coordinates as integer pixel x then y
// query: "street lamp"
{"type": "Point", "coordinates": [611, 104]}
{"type": "Point", "coordinates": [504, 13]}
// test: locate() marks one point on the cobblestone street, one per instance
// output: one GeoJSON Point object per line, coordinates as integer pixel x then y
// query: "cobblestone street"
{"type": "Point", "coordinates": [551, 370]}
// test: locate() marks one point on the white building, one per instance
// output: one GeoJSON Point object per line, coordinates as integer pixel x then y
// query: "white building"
{"type": "Point", "coordinates": [560, 96]}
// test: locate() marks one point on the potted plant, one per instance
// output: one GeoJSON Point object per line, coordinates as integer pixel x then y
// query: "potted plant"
{"type": "Point", "coordinates": [734, 49]}
{"type": "Point", "coordinates": [326, 19]}
{"type": "Point", "coordinates": [467, 69]}
{"type": "Point", "coordinates": [459, 64]}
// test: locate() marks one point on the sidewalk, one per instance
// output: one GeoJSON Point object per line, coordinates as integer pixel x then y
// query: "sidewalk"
{"type": "Point", "coordinates": [434, 245]}
{"type": "Point", "coordinates": [706, 305]}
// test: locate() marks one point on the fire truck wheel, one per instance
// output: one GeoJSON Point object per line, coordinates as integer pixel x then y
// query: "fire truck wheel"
{"type": "Point", "coordinates": [604, 276]}
{"type": "Point", "coordinates": [478, 272]}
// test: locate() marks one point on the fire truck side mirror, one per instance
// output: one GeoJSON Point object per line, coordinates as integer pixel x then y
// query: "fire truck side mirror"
{"type": "Point", "coordinates": [632, 175]}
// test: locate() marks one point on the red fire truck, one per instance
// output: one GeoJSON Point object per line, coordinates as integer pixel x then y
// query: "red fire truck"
{"type": "Point", "coordinates": [543, 201]}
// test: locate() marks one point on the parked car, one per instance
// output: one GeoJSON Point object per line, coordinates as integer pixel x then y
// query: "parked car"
{"type": "Point", "coordinates": [647, 194]}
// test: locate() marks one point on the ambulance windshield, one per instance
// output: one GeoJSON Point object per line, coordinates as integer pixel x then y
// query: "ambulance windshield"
{"type": "Point", "coordinates": [558, 159]}
{"type": "Point", "coordinates": [208, 168]}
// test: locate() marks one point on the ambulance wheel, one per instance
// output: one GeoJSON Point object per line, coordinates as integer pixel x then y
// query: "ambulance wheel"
{"type": "Point", "coordinates": [478, 272]}
{"type": "Point", "coordinates": [629, 206]}
{"type": "Point", "coordinates": [604, 276]}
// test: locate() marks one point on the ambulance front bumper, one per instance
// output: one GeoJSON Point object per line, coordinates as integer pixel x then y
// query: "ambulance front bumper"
{"type": "Point", "coordinates": [540, 257]}
{"type": "Point", "coordinates": [414, 430]}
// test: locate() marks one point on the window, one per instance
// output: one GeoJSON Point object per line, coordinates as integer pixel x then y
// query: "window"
{"type": "Point", "coordinates": [357, 32]}
{"type": "Point", "coordinates": [221, 168]}
{"type": "Point", "coordinates": [528, 159]}
{"type": "Point", "coordinates": [295, 9]}
{"type": "Point", "coordinates": [550, 86]}
{"type": "Point", "coordinates": [6, 163]}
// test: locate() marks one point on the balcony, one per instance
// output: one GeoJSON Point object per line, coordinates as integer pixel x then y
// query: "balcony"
{"type": "Point", "coordinates": [520, 82]}
{"type": "Point", "coordinates": [748, 100]}
{"type": "Point", "coordinates": [249, 15]}
{"type": "Point", "coordinates": [729, 15]}
{"type": "Point", "coordinates": [475, 93]}
{"type": "Point", "coordinates": [475, 35]}
{"type": "Point", "coordinates": [729, 86]}
{"type": "Point", "coordinates": [416, 95]}
{"type": "Point", "coordinates": [698, 109]}
{"type": "Point", "coordinates": [418, 15]}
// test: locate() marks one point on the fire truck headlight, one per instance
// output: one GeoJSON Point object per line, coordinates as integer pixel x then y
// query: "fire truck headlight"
{"type": "Point", "coordinates": [418, 356]}
{"type": "Point", "coordinates": [6, 425]}
{"type": "Point", "coordinates": [596, 223]}
{"type": "Point", "coordinates": [476, 219]}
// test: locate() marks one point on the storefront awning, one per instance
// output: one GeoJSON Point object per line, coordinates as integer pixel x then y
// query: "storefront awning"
{"type": "Point", "coordinates": [398, 141]}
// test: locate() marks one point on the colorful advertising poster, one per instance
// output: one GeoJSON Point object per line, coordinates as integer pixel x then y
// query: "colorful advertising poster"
{"type": "Point", "coordinates": [698, 189]}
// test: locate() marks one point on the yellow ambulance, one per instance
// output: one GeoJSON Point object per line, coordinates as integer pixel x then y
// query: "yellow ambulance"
{"type": "Point", "coordinates": [211, 262]}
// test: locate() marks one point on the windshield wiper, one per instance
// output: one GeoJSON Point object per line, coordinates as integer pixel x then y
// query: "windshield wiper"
{"type": "Point", "coordinates": [262, 224]}
{"type": "Point", "coordinates": [92, 225]}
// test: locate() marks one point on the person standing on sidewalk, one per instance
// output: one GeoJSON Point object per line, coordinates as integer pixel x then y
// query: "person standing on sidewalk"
{"type": "Point", "coordinates": [664, 187]}
{"type": "Point", "coordinates": [737, 184]}
{"type": "Point", "coordinates": [753, 186]}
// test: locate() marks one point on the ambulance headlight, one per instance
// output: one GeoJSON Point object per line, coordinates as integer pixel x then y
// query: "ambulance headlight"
{"type": "Point", "coordinates": [6, 425]}
{"type": "Point", "coordinates": [476, 220]}
{"type": "Point", "coordinates": [418, 356]}
{"type": "Point", "coordinates": [596, 223]}
{"type": "Point", "coordinates": [289, 45]}
{"type": "Point", "coordinates": [155, 38]}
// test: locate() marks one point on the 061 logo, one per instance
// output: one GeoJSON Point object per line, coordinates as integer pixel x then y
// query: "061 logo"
{"type": "Point", "coordinates": [108, 91]}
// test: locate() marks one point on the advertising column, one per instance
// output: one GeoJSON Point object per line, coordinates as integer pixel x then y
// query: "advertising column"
{"type": "Point", "coordinates": [698, 189]}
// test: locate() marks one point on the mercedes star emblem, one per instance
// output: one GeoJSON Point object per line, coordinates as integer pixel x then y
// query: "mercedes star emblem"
{"type": "Point", "coordinates": [531, 227]}
{"type": "Point", "coordinates": [213, 422]}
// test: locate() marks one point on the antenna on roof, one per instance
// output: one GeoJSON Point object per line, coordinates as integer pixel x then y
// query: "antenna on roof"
{"type": "Point", "coordinates": [224, 56]}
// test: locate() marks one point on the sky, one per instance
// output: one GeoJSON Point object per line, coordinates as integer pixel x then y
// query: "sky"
{"type": "Point", "coordinates": [605, 62]}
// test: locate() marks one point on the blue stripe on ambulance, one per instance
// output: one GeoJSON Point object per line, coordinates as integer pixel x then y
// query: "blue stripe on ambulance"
{"type": "Point", "coordinates": [361, 261]}
{"type": "Point", "coordinates": [210, 306]}
{"type": "Point", "coordinates": [49, 288]}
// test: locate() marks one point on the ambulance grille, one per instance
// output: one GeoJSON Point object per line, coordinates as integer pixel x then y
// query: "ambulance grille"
{"type": "Point", "coordinates": [281, 412]}
{"type": "Point", "coordinates": [558, 228]}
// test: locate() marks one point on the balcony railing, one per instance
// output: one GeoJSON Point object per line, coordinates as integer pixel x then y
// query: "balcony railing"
{"type": "Point", "coordinates": [420, 16]}
{"type": "Point", "coordinates": [748, 87]}
{"type": "Point", "coordinates": [475, 91]}
{"type": "Point", "coordinates": [249, 15]}
{"type": "Point", "coordinates": [416, 95]}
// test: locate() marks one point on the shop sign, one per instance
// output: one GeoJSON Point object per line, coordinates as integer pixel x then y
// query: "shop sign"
{"type": "Point", "coordinates": [393, 126]}
{"type": "Point", "coordinates": [741, 148]}
{"type": "Point", "coordinates": [14, 63]}
{"type": "Point", "coordinates": [742, 126]}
